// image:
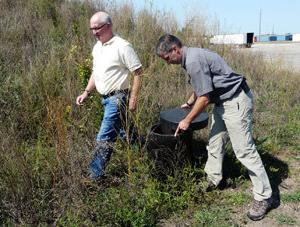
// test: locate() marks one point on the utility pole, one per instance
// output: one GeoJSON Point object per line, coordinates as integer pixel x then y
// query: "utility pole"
{"type": "Point", "coordinates": [259, 28]}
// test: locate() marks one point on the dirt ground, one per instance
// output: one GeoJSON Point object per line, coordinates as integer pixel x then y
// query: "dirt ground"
{"type": "Point", "coordinates": [286, 214]}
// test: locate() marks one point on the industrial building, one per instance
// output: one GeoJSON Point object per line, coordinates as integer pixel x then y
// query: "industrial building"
{"type": "Point", "coordinates": [247, 39]}
{"type": "Point", "coordinates": [274, 37]}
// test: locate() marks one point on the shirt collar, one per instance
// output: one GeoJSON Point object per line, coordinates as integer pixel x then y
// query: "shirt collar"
{"type": "Point", "coordinates": [184, 50]}
{"type": "Point", "coordinates": [109, 41]}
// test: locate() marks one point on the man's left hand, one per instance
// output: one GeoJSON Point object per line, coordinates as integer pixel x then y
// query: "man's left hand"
{"type": "Point", "coordinates": [182, 126]}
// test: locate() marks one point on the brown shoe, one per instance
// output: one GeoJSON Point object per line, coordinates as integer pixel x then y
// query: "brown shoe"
{"type": "Point", "coordinates": [259, 209]}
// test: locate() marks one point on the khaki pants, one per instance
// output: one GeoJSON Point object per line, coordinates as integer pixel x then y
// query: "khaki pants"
{"type": "Point", "coordinates": [233, 120]}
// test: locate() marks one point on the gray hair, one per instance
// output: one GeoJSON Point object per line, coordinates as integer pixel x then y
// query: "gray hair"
{"type": "Point", "coordinates": [107, 19]}
{"type": "Point", "coordinates": [165, 43]}
{"type": "Point", "coordinates": [102, 17]}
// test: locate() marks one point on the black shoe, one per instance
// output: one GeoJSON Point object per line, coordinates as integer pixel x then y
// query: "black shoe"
{"type": "Point", "coordinates": [211, 187]}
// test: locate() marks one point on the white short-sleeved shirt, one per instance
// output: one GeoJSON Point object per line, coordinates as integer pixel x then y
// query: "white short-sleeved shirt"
{"type": "Point", "coordinates": [112, 63]}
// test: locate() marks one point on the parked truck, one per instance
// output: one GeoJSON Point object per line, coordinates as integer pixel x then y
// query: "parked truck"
{"type": "Point", "coordinates": [296, 38]}
{"type": "Point", "coordinates": [242, 40]}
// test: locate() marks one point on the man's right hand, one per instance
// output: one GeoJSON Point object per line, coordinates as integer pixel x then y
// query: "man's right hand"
{"type": "Point", "coordinates": [186, 106]}
{"type": "Point", "coordinates": [80, 99]}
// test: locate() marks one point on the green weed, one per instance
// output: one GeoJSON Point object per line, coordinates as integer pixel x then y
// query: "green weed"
{"type": "Point", "coordinates": [238, 198]}
{"type": "Point", "coordinates": [213, 216]}
{"type": "Point", "coordinates": [283, 219]}
{"type": "Point", "coordinates": [293, 197]}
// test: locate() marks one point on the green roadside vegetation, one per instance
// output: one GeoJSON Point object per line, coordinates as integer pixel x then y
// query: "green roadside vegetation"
{"type": "Point", "coordinates": [46, 140]}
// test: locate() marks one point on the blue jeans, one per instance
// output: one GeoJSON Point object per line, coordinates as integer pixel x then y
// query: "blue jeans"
{"type": "Point", "coordinates": [111, 127]}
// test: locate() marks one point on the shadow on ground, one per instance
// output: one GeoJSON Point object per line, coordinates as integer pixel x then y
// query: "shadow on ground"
{"type": "Point", "coordinates": [233, 170]}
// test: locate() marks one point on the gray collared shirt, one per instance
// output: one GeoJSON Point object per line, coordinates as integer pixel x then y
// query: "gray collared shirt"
{"type": "Point", "coordinates": [208, 73]}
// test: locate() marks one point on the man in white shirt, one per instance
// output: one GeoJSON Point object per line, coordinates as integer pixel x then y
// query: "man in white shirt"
{"type": "Point", "coordinates": [113, 61]}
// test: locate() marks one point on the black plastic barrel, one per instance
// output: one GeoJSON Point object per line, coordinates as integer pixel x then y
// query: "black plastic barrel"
{"type": "Point", "coordinates": [168, 152]}
{"type": "Point", "coordinates": [170, 118]}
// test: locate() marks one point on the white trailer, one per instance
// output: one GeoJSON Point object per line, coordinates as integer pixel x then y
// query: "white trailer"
{"type": "Point", "coordinates": [245, 39]}
{"type": "Point", "coordinates": [296, 37]}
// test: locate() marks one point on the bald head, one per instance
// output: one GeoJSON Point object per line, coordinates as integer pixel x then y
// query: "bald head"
{"type": "Point", "coordinates": [101, 18]}
{"type": "Point", "coordinates": [101, 26]}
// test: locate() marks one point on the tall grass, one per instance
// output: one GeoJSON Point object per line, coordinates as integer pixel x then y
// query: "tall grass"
{"type": "Point", "coordinates": [46, 140]}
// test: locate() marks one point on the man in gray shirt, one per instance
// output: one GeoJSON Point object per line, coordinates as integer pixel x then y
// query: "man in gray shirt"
{"type": "Point", "coordinates": [213, 81]}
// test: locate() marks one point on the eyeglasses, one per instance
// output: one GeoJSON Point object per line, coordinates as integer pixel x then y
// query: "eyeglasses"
{"type": "Point", "coordinates": [98, 28]}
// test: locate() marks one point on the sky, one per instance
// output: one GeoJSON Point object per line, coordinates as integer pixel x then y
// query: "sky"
{"type": "Point", "coordinates": [235, 16]}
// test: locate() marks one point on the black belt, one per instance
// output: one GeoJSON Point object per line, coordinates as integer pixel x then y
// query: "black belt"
{"type": "Point", "coordinates": [244, 86]}
{"type": "Point", "coordinates": [125, 91]}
